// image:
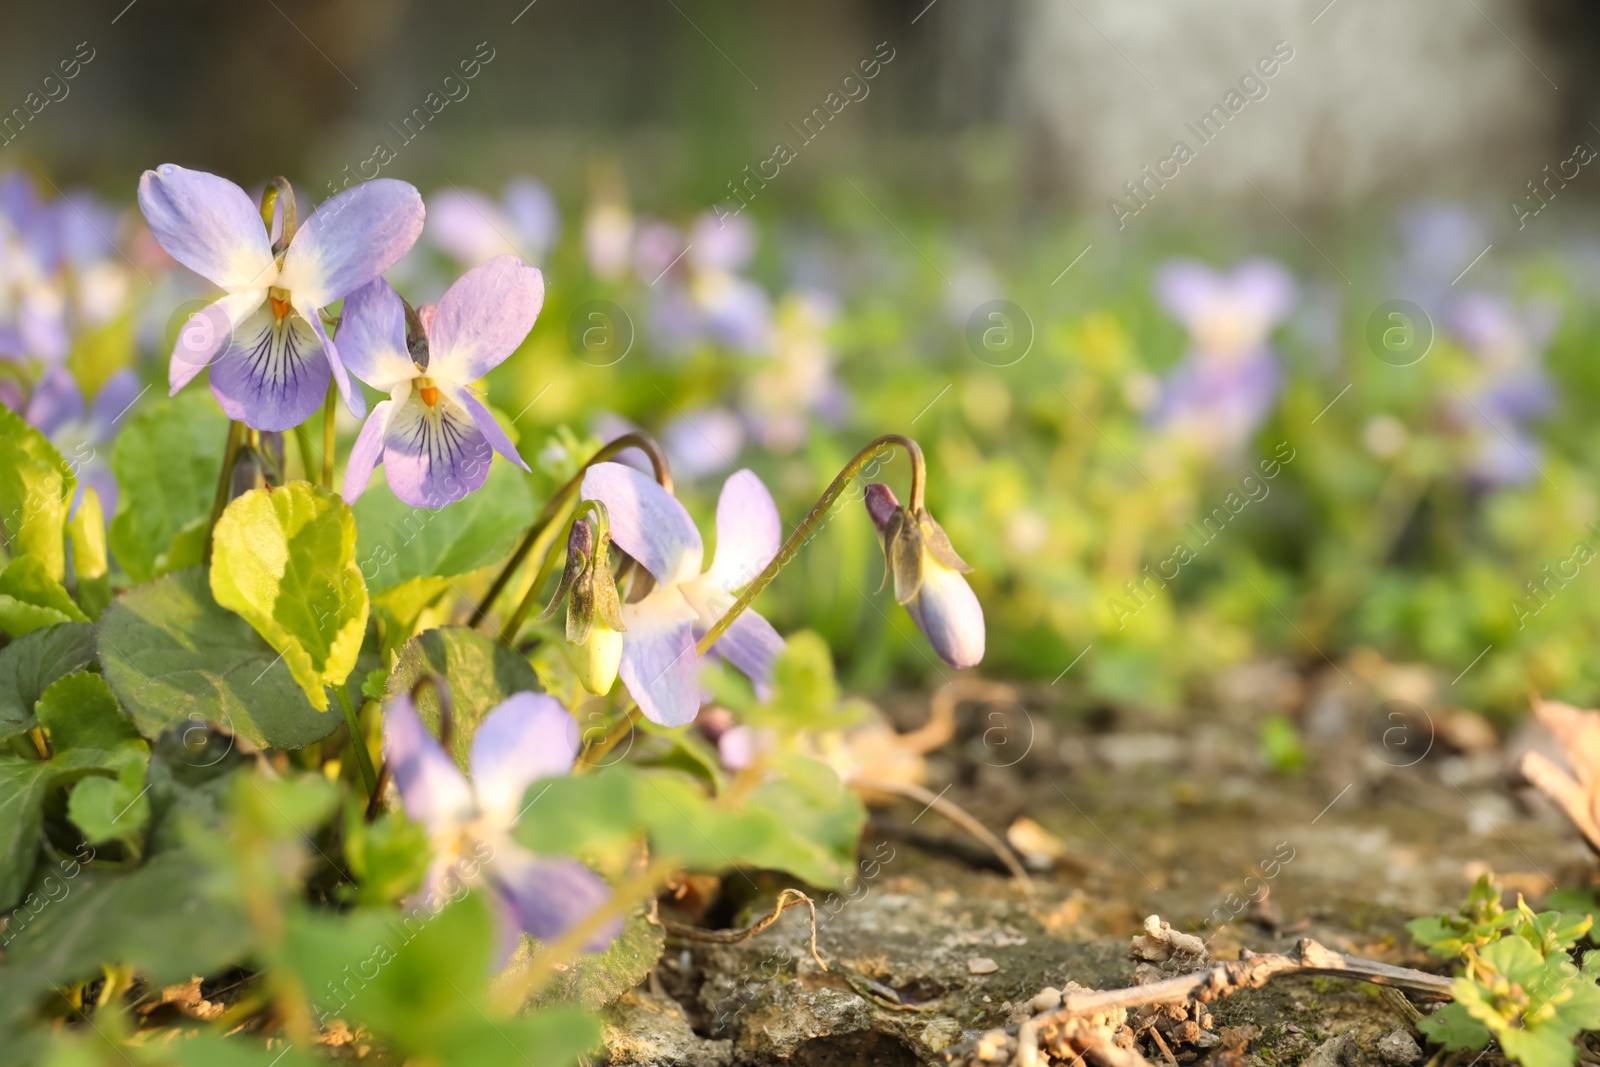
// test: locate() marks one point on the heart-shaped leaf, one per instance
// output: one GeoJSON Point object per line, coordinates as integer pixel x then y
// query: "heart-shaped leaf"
{"type": "Point", "coordinates": [285, 560]}
{"type": "Point", "coordinates": [36, 487]}
{"type": "Point", "coordinates": [31, 600]}
{"type": "Point", "coordinates": [480, 672]}
{"type": "Point", "coordinates": [30, 664]}
{"type": "Point", "coordinates": [166, 459]}
{"type": "Point", "coordinates": [173, 656]}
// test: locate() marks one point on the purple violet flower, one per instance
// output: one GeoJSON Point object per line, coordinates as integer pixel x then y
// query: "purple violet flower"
{"type": "Point", "coordinates": [528, 737]}
{"type": "Point", "coordinates": [470, 227]}
{"type": "Point", "coordinates": [434, 435]}
{"type": "Point", "coordinates": [269, 354]}
{"type": "Point", "coordinates": [659, 666]}
{"type": "Point", "coordinates": [1224, 388]}
{"type": "Point", "coordinates": [1513, 389]}
{"type": "Point", "coordinates": [929, 584]}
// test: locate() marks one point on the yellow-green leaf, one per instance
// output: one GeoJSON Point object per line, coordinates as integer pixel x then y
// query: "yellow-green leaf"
{"type": "Point", "coordinates": [36, 487]}
{"type": "Point", "coordinates": [284, 560]}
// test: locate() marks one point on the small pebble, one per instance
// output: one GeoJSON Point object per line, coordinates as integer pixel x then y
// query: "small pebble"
{"type": "Point", "coordinates": [1399, 1049]}
{"type": "Point", "coordinates": [1048, 999]}
{"type": "Point", "coordinates": [982, 965]}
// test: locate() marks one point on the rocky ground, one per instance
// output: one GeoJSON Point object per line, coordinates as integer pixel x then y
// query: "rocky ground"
{"type": "Point", "coordinates": [1398, 803]}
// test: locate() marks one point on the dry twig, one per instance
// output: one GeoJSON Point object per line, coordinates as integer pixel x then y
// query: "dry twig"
{"type": "Point", "coordinates": [786, 899]}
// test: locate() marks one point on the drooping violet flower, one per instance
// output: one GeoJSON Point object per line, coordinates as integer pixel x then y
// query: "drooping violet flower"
{"type": "Point", "coordinates": [269, 354]}
{"type": "Point", "coordinates": [434, 436]}
{"type": "Point", "coordinates": [927, 579]}
{"type": "Point", "coordinates": [659, 665]}
{"type": "Point", "coordinates": [469, 227]}
{"type": "Point", "coordinates": [1513, 389]}
{"type": "Point", "coordinates": [528, 737]}
{"type": "Point", "coordinates": [56, 409]}
{"type": "Point", "coordinates": [1225, 386]}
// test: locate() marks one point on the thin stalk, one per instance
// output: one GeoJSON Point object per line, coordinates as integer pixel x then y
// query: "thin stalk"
{"type": "Point", "coordinates": [530, 599]}
{"type": "Point", "coordinates": [329, 434]}
{"type": "Point", "coordinates": [302, 437]}
{"type": "Point", "coordinates": [358, 739]}
{"type": "Point", "coordinates": [597, 751]}
{"type": "Point", "coordinates": [230, 456]}
{"type": "Point", "coordinates": [558, 503]}
{"type": "Point", "coordinates": [808, 525]}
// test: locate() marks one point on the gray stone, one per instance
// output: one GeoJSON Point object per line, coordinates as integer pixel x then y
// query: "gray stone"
{"type": "Point", "coordinates": [1399, 1049]}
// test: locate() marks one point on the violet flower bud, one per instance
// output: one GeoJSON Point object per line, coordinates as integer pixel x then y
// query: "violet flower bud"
{"type": "Point", "coordinates": [928, 578]}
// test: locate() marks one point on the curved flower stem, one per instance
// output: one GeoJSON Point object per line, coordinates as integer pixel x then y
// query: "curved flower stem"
{"type": "Point", "coordinates": [592, 755]}
{"type": "Point", "coordinates": [558, 503]}
{"type": "Point", "coordinates": [219, 503]}
{"type": "Point", "coordinates": [358, 741]}
{"type": "Point", "coordinates": [813, 519]}
{"type": "Point", "coordinates": [329, 433]}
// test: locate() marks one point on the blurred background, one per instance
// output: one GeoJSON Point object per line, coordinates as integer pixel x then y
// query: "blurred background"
{"type": "Point", "coordinates": [1248, 339]}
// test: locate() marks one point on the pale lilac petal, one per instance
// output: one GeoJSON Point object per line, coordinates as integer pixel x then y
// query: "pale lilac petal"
{"type": "Point", "coordinates": [208, 224]}
{"type": "Point", "coordinates": [948, 613]}
{"type": "Point", "coordinates": [753, 646]}
{"type": "Point", "coordinates": [647, 522]}
{"type": "Point", "coordinates": [749, 531]}
{"type": "Point", "coordinates": [1265, 287]}
{"type": "Point", "coordinates": [482, 318]}
{"type": "Point", "coordinates": [56, 401]}
{"type": "Point", "coordinates": [534, 212]}
{"type": "Point", "coordinates": [725, 243]}
{"type": "Point", "coordinates": [703, 442]}
{"type": "Point", "coordinates": [736, 748]}
{"type": "Point", "coordinates": [434, 456]}
{"type": "Point", "coordinates": [111, 403]}
{"type": "Point", "coordinates": [354, 398]}
{"type": "Point", "coordinates": [485, 421]}
{"type": "Point", "coordinates": [209, 332]}
{"type": "Point", "coordinates": [367, 451]}
{"type": "Point", "coordinates": [272, 375]}
{"type": "Point", "coordinates": [350, 240]}
{"type": "Point", "coordinates": [659, 665]}
{"type": "Point", "coordinates": [372, 336]}
{"type": "Point", "coordinates": [1186, 289]}
{"type": "Point", "coordinates": [468, 227]}
{"type": "Point", "coordinates": [551, 896]}
{"type": "Point", "coordinates": [527, 736]}
{"type": "Point", "coordinates": [432, 790]}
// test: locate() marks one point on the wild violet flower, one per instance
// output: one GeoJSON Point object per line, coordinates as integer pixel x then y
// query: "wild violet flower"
{"type": "Point", "coordinates": [659, 665]}
{"type": "Point", "coordinates": [700, 293]}
{"type": "Point", "coordinates": [269, 354]}
{"type": "Point", "coordinates": [469, 227]}
{"type": "Point", "coordinates": [434, 435]}
{"type": "Point", "coordinates": [797, 383]}
{"type": "Point", "coordinates": [33, 293]}
{"type": "Point", "coordinates": [528, 737]}
{"type": "Point", "coordinates": [56, 409]}
{"type": "Point", "coordinates": [927, 579]}
{"type": "Point", "coordinates": [1508, 343]}
{"type": "Point", "coordinates": [1224, 388]}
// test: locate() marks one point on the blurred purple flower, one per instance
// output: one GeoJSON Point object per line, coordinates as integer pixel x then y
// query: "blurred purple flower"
{"type": "Point", "coordinates": [659, 665]}
{"type": "Point", "coordinates": [269, 353]}
{"type": "Point", "coordinates": [1508, 343]}
{"type": "Point", "coordinates": [83, 437]}
{"type": "Point", "coordinates": [471, 228]}
{"type": "Point", "coordinates": [1438, 241]}
{"type": "Point", "coordinates": [699, 293]}
{"type": "Point", "coordinates": [703, 442]}
{"type": "Point", "coordinates": [434, 435]}
{"type": "Point", "coordinates": [1224, 387]}
{"type": "Point", "coordinates": [797, 382]}
{"type": "Point", "coordinates": [527, 737]}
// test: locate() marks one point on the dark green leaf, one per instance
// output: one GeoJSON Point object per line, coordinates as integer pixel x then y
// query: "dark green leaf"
{"type": "Point", "coordinates": [596, 979]}
{"type": "Point", "coordinates": [167, 460]}
{"type": "Point", "coordinates": [30, 664]}
{"type": "Point", "coordinates": [173, 657]}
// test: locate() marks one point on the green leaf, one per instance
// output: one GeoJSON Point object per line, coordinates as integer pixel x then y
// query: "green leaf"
{"type": "Point", "coordinates": [36, 489]}
{"type": "Point", "coordinates": [167, 460]}
{"type": "Point", "coordinates": [30, 664]}
{"type": "Point", "coordinates": [284, 559]}
{"type": "Point", "coordinates": [399, 609]}
{"type": "Point", "coordinates": [398, 542]}
{"type": "Point", "coordinates": [480, 671]}
{"type": "Point", "coordinates": [160, 919]}
{"type": "Point", "coordinates": [1453, 1028]}
{"type": "Point", "coordinates": [420, 982]}
{"type": "Point", "coordinates": [86, 532]}
{"type": "Point", "coordinates": [31, 600]}
{"type": "Point", "coordinates": [388, 856]}
{"type": "Point", "coordinates": [822, 820]}
{"type": "Point", "coordinates": [173, 656]}
{"type": "Point", "coordinates": [88, 733]}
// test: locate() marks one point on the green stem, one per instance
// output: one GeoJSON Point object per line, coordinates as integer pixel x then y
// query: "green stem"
{"type": "Point", "coordinates": [230, 456]}
{"type": "Point", "coordinates": [358, 739]}
{"type": "Point", "coordinates": [558, 503]}
{"type": "Point", "coordinates": [302, 437]}
{"type": "Point", "coordinates": [329, 433]}
{"type": "Point", "coordinates": [803, 532]}
{"type": "Point", "coordinates": [530, 599]}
